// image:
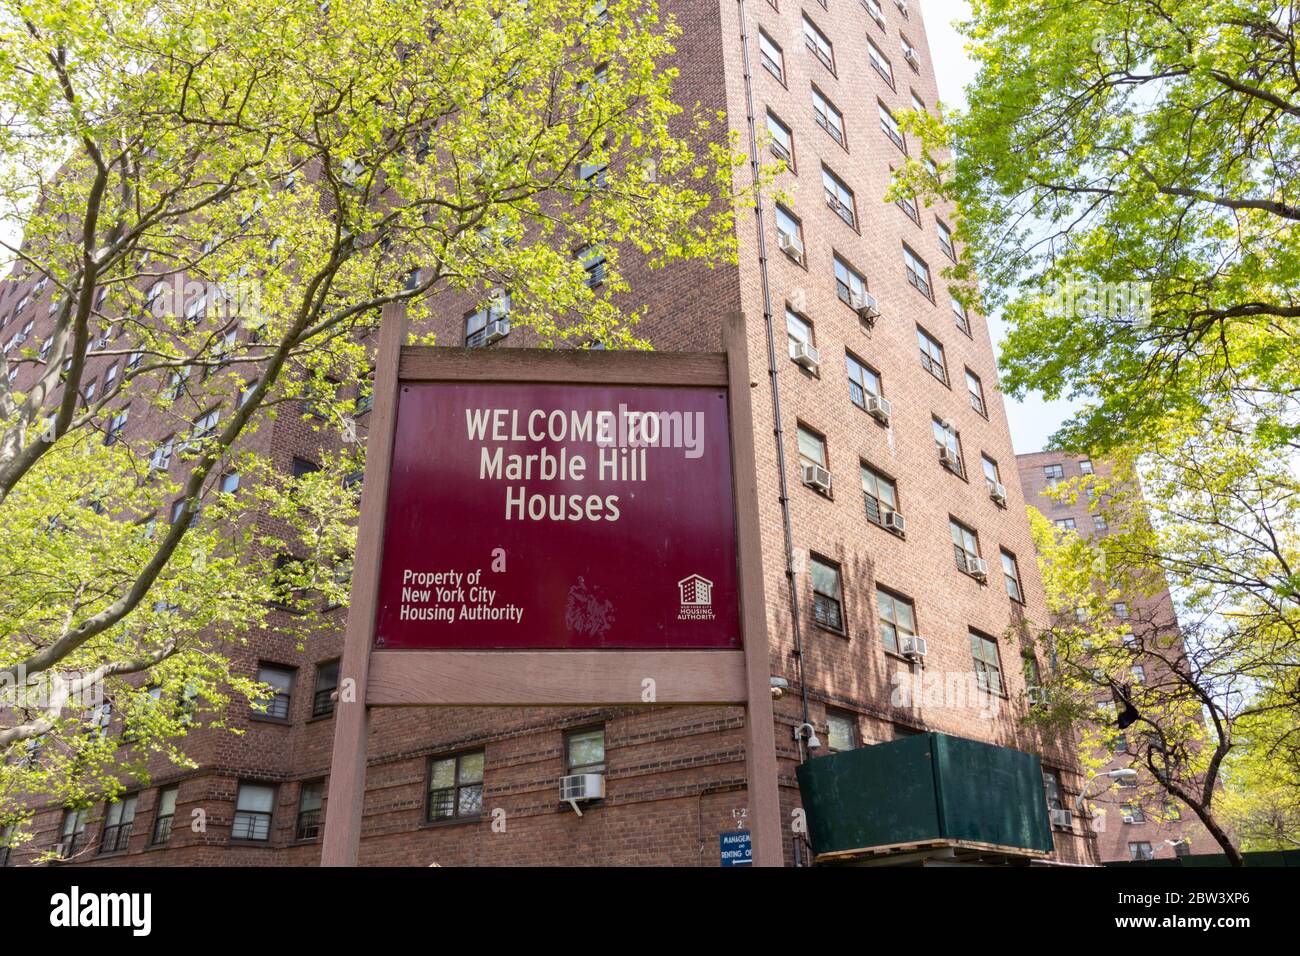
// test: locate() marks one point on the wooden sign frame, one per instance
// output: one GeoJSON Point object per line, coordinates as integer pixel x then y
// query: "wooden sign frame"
{"type": "Point", "coordinates": [391, 678]}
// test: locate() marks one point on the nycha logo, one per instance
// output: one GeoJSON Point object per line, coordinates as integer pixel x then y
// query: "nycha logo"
{"type": "Point", "coordinates": [75, 909]}
{"type": "Point", "coordinates": [696, 592]}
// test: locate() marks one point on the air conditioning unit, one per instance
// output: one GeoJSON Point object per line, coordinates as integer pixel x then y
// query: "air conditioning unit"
{"type": "Point", "coordinates": [913, 647]}
{"type": "Point", "coordinates": [791, 246]}
{"type": "Point", "coordinates": [879, 408]}
{"type": "Point", "coordinates": [864, 303]}
{"type": "Point", "coordinates": [798, 300]}
{"type": "Point", "coordinates": [949, 457]}
{"type": "Point", "coordinates": [977, 568]}
{"type": "Point", "coordinates": [351, 171]}
{"type": "Point", "coordinates": [815, 476]}
{"type": "Point", "coordinates": [998, 493]}
{"type": "Point", "coordinates": [582, 788]}
{"type": "Point", "coordinates": [1062, 819]}
{"type": "Point", "coordinates": [893, 520]}
{"type": "Point", "coordinates": [910, 56]}
{"type": "Point", "coordinates": [806, 355]}
{"type": "Point", "coordinates": [497, 329]}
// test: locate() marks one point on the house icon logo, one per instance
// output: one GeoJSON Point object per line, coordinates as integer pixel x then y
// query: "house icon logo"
{"type": "Point", "coordinates": [696, 593]}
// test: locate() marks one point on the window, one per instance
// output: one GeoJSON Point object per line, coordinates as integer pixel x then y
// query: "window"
{"type": "Point", "coordinates": [1140, 851]}
{"type": "Point", "coordinates": [890, 126]}
{"type": "Point", "coordinates": [1032, 674]}
{"type": "Point", "coordinates": [1121, 609]}
{"type": "Point", "coordinates": [959, 315]}
{"type": "Point", "coordinates": [302, 467]}
{"type": "Point", "coordinates": [1182, 848]}
{"type": "Point", "coordinates": [948, 443]}
{"type": "Point", "coordinates": [253, 808]}
{"type": "Point", "coordinates": [230, 482]}
{"type": "Point", "coordinates": [965, 543]}
{"type": "Point", "coordinates": [816, 41]}
{"type": "Point", "coordinates": [1053, 474]}
{"type": "Point", "coordinates": [1138, 673]}
{"type": "Point", "coordinates": [1011, 574]}
{"type": "Point", "coordinates": [1052, 790]}
{"type": "Point", "coordinates": [1099, 523]}
{"type": "Point", "coordinates": [918, 104]}
{"type": "Point", "coordinates": [281, 681]}
{"type": "Point", "coordinates": [311, 796]}
{"type": "Point", "coordinates": [931, 355]}
{"type": "Point", "coordinates": [827, 115]}
{"type": "Point", "coordinates": [798, 330]}
{"type": "Point", "coordinates": [164, 814]}
{"type": "Point", "coordinates": [827, 610]}
{"type": "Point", "coordinates": [992, 476]}
{"type": "Point", "coordinates": [841, 731]}
{"type": "Point", "coordinates": [880, 494]}
{"type": "Point", "coordinates": [72, 834]}
{"type": "Point", "coordinates": [918, 273]}
{"type": "Point", "coordinates": [1172, 812]}
{"type": "Point", "coordinates": [593, 263]}
{"type": "Point", "coordinates": [584, 750]}
{"type": "Point", "coordinates": [812, 447]}
{"type": "Point", "coordinates": [1085, 466]}
{"type": "Point", "coordinates": [976, 390]}
{"type": "Point", "coordinates": [880, 62]}
{"type": "Point", "coordinates": [897, 619]}
{"type": "Point", "coordinates": [907, 203]}
{"type": "Point", "coordinates": [205, 425]}
{"type": "Point", "coordinates": [1132, 813]}
{"type": "Point", "coordinates": [593, 174]}
{"type": "Point", "coordinates": [115, 426]}
{"type": "Point", "coordinates": [327, 681]}
{"type": "Point", "coordinates": [790, 231]}
{"type": "Point", "coordinates": [839, 197]}
{"type": "Point", "coordinates": [863, 381]}
{"type": "Point", "coordinates": [1065, 524]}
{"type": "Point", "coordinates": [988, 670]}
{"type": "Point", "coordinates": [909, 53]}
{"type": "Point", "coordinates": [492, 322]}
{"type": "Point", "coordinates": [770, 55]}
{"type": "Point", "coordinates": [110, 378]}
{"type": "Point", "coordinates": [945, 240]}
{"type": "Point", "coordinates": [118, 819]}
{"type": "Point", "coordinates": [782, 140]}
{"type": "Point", "coordinates": [456, 786]}
{"type": "Point", "coordinates": [873, 8]}
{"type": "Point", "coordinates": [848, 281]}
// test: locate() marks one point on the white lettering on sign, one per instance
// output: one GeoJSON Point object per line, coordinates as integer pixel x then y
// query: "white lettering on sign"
{"type": "Point", "coordinates": [622, 437]}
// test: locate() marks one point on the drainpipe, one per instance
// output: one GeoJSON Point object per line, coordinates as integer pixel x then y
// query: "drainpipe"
{"type": "Point", "coordinates": [777, 430]}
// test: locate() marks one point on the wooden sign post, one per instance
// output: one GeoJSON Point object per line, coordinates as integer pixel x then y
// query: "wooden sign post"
{"type": "Point", "coordinates": [630, 643]}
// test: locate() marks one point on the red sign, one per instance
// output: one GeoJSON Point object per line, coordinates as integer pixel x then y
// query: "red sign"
{"type": "Point", "coordinates": [559, 516]}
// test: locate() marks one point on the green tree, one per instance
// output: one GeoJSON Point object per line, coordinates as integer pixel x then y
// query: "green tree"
{"type": "Point", "coordinates": [219, 198]}
{"type": "Point", "coordinates": [1129, 181]}
{"type": "Point", "coordinates": [1216, 522]}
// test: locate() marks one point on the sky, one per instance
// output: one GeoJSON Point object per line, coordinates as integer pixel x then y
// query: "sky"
{"type": "Point", "coordinates": [1035, 419]}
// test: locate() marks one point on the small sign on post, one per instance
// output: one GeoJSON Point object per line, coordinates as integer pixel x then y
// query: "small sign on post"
{"type": "Point", "coordinates": [735, 848]}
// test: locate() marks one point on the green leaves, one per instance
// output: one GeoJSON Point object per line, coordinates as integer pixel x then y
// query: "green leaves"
{"type": "Point", "coordinates": [224, 197]}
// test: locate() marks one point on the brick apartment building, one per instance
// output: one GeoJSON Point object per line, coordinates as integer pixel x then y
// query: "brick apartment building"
{"type": "Point", "coordinates": [1133, 829]}
{"type": "Point", "coordinates": [859, 312]}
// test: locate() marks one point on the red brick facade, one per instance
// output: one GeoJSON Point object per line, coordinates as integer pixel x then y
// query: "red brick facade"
{"type": "Point", "coordinates": [675, 777]}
